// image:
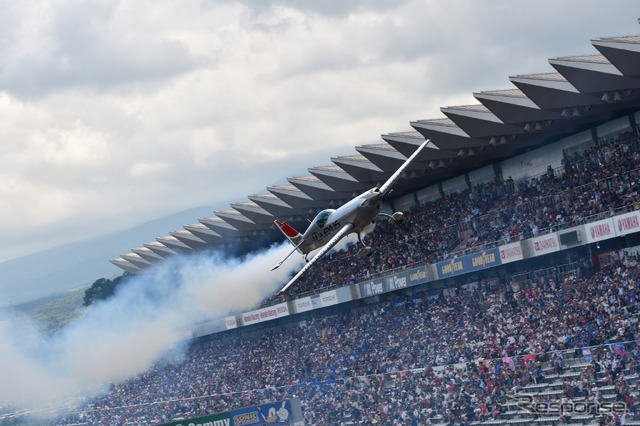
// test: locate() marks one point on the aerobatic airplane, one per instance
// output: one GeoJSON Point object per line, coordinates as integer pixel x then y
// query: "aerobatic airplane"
{"type": "Point", "coordinates": [330, 225]}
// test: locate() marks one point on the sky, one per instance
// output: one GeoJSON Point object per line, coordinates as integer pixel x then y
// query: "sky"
{"type": "Point", "coordinates": [115, 113]}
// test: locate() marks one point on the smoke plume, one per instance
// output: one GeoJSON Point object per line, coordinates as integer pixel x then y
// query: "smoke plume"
{"type": "Point", "coordinates": [123, 336]}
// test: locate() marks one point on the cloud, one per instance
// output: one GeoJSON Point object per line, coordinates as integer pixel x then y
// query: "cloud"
{"type": "Point", "coordinates": [71, 44]}
{"type": "Point", "coordinates": [148, 168]}
{"type": "Point", "coordinates": [115, 113]}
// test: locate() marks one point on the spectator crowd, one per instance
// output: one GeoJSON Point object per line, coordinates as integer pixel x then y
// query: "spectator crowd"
{"type": "Point", "coordinates": [494, 341]}
{"type": "Point", "coordinates": [456, 354]}
{"type": "Point", "coordinates": [597, 183]}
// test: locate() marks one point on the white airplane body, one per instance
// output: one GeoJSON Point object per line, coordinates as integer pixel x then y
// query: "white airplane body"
{"type": "Point", "coordinates": [330, 225]}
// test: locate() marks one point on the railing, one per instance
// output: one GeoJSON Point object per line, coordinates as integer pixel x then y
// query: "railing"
{"type": "Point", "coordinates": [557, 272]}
{"type": "Point", "coordinates": [531, 206]}
{"type": "Point", "coordinates": [470, 250]}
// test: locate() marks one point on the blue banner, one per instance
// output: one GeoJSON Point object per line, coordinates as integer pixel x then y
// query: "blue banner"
{"type": "Point", "coordinates": [395, 281]}
{"type": "Point", "coordinates": [278, 412]}
{"type": "Point", "coordinates": [472, 262]}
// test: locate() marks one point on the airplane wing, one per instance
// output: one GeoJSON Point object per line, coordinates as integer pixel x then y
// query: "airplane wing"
{"type": "Point", "coordinates": [325, 249]}
{"type": "Point", "coordinates": [394, 177]}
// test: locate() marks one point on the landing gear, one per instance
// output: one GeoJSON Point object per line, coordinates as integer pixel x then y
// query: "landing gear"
{"type": "Point", "coordinates": [397, 217]}
{"type": "Point", "coordinates": [365, 251]}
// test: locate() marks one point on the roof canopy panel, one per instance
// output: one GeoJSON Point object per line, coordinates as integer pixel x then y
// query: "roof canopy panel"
{"type": "Point", "coordinates": [552, 91]}
{"type": "Point", "coordinates": [622, 52]}
{"type": "Point", "coordinates": [335, 177]}
{"type": "Point", "coordinates": [593, 74]}
{"type": "Point", "coordinates": [512, 106]}
{"type": "Point", "coordinates": [478, 122]}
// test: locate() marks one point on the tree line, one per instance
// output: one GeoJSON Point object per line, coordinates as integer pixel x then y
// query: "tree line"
{"type": "Point", "coordinates": [103, 288]}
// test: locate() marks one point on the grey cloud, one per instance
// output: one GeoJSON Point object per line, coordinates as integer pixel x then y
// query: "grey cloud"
{"type": "Point", "coordinates": [79, 45]}
{"type": "Point", "coordinates": [327, 7]}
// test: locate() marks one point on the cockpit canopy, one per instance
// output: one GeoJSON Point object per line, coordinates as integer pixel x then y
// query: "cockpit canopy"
{"type": "Point", "coordinates": [322, 217]}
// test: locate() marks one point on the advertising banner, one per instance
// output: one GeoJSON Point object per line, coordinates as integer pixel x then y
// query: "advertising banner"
{"type": "Point", "coordinates": [545, 244]}
{"type": "Point", "coordinates": [303, 305]}
{"type": "Point", "coordinates": [393, 282]}
{"type": "Point", "coordinates": [223, 419]}
{"type": "Point", "coordinates": [510, 252]}
{"type": "Point", "coordinates": [373, 287]}
{"type": "Point", "coordinates": [328, 298]}
{"type": "Point", "coordinates": [627, 223]}
{"type": "Point", "coordinates": [417, 275]}
{"type": "Point", "coordinates": [275, 413]}
{"type": "Point", "coordinates": [265, 314]}
{"type": "Point", "coordinates": [231, 322]}
{"type": "Point", "coordinates": [600, 230]}
{"type": "Point", "coordinates": [281, 412]}
{"type": "Point", "coordinates": [472, 262]}
{"type": "Point", "coordinates": [315, 302]}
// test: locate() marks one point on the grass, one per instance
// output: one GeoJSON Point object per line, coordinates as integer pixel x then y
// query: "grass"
{"type": "Point", "coordinates": [53, 312]}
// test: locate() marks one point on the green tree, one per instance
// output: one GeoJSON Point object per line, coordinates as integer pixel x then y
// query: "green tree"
{"type": "Point", "coordinates": [102, 289]}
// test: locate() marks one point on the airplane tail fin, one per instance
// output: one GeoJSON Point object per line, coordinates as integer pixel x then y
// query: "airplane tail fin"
{"type": "Point", "coordinates": [294, 237]}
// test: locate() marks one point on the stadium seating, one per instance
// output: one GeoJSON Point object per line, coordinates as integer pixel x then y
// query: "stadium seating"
{"type": "Point", "coordinates": [448, 357]}
{"type": "Point", "coordinates": [416, 360]}
{"type": "Point", "coordinates": [599, 183]}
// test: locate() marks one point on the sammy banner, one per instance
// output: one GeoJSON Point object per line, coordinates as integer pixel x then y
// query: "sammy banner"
{"type": "Point", "coordinates": [600, 230]}
{"type": "Point", "coordinates": [275, 413]}
{"type": "Point", "coordinates": [627, 223]}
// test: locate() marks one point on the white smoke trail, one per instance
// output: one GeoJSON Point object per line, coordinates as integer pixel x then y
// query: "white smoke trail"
{"type": "Point", "coordinates": [123, 336]}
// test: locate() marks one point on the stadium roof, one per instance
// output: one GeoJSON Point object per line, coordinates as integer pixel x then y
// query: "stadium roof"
{"type": "Point", "coordinates": [541, 108]}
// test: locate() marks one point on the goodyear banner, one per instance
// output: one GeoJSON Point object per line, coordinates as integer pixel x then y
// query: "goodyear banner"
{"type": "Point", "coordinates": [393, 282]}
{"type": "Point", "coordinates": [275, 413]}
{"type": "Point", "coordinates": [472, 262]}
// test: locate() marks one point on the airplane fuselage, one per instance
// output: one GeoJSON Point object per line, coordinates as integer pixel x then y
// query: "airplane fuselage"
{"type": "Point", "coordinates": [360, 212]}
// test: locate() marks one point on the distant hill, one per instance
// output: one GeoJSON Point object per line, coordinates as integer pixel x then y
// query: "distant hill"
{"type": "Point", "coordinates": [80, 263]}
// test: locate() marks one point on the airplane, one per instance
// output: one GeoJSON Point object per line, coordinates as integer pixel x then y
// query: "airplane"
{"type": "Point", "coordinates": [332, 225]}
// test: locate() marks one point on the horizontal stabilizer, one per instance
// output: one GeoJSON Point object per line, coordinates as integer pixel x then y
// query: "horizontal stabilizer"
{"type": "Point", "coordinates": [285, 258]}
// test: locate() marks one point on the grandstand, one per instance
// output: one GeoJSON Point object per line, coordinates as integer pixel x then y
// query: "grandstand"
{"type": "Point", "coordinates": [585, 101]}
{"type": "Point", "coordinates": [515, 275]}
{"type": "Point", "coordinates": [460, 355]}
